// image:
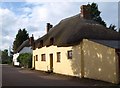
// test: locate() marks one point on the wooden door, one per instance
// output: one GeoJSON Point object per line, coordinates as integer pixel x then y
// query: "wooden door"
{"type": "Point", "coordinates": [51, 62]}
{"type": "Point", "coordinates": [34, 62]}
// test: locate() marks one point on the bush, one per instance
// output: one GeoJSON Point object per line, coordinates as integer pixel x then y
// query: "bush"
{"type": "Point", "coordinates": [4, 58]}
{"type": "Point", "coordinates": [25, 60]}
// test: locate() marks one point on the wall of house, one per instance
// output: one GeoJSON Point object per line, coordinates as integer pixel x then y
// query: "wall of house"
{"type": "Point", "coordinates": [100, 62]}
{"type": "Point", "coordinates": [15, 56]}
{"type": "Point", "coordinates": [65, 66]}
{"type": "Point", "coordinates": [89, 60]}
{"type": "Point", "coordinates": [26, 50]}
{"type": "Point", "coordinates": [76, 64]}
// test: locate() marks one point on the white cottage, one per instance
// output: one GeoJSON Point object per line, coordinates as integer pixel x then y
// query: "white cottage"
{"type": "Point", "coordinates": [25, 47]}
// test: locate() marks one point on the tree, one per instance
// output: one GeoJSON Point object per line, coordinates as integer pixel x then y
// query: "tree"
{"type": "Point", "coordinates": [25, 60]}
{"type": "Point", "coordinates": [5, 58]}
{"type": "Point", "coordinates": [0, 56]}
{"type": "Point", "coordinates": [21, 36]}
{"type": "Point", "coordinates": [95, 13]}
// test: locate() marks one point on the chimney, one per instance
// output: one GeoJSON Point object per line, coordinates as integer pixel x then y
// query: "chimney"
{"type": "Point", "coordinates": [85, 11]}
{"type": "Point", "coordinates": [31, 40]}
{"type": "Point", "coordinates": [49, 26]}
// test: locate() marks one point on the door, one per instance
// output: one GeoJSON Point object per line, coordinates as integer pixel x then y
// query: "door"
{"type": "Point", "coordinates": [51, 62]}
{"type": "Point", "coordinates": [34, 62]}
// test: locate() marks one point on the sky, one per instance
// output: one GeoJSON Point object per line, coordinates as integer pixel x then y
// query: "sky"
{"type": "Point", "coordinates": [34, 15]}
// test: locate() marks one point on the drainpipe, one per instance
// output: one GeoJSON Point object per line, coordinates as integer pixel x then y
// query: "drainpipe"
{"type": "Point", "coordinates": [82, 60]}
{"type": "Point", "coordinates": [117, 55]}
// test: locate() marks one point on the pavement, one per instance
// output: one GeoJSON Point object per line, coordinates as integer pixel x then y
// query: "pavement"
{"type": "Point", "coordinates": [15, 76]}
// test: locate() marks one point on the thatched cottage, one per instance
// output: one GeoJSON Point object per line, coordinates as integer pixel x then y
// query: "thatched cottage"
{"type": "Point", "coordinates": [25, 47]}
{"type": "Point", "coordinates": [79, 46]}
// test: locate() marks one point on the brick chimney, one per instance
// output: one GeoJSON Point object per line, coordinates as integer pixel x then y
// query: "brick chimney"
{"type": "Point", "coordinates": [31, 40]}
{"type": "Point", "coordinates": [49, 26]}
{"type": "Point", "coordinates": [85, 11]}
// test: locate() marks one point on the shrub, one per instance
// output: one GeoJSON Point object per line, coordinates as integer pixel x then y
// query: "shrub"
{"type": "Point", "coordinates": [25, 60]}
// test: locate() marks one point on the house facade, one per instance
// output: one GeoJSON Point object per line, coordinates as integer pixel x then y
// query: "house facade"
{"type": "Point", "coordinates": [25, 47]}
{"type": "Point", "coordinates": [78, 46]}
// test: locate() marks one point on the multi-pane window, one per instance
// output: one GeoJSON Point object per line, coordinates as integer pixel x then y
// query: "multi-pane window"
{"type": "Point", "coordinates": [36, 57]}
{"type": "Point", "coordinates": [70, 54]}
{"type": "Point", "coordinates": [43, 58]}
{"type": "Point", "coordinates": [58, 57]}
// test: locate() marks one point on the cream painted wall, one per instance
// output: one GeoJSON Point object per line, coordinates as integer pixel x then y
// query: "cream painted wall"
{"type": "Point", "coordinates": [62, 67]}
{"type": "Point", "coordinates": [76, 64]}
{"type": "Point", "coordinates": [90, 59]}
{"type": "Point", "coordinates": [100, 62]}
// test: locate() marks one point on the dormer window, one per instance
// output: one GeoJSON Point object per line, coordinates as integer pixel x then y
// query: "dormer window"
{"type": "Point", "coordinates": [33, 46]}
{"type": "Point", "coordinates": [41, 43]}
{"type": "Point", "coordinates": [51, 41]}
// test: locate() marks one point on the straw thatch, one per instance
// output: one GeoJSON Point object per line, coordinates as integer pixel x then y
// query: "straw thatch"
{"type": "Point", "coordinates": [71, 31]}
{"type": "Point", "coordinates": [24, 44]}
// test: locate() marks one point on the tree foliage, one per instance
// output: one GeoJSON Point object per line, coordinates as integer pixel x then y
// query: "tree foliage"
{"type": "Point", "coordinates": [21, 36]}
{"type": "Point", "coordinates": [25, 60]}
{"type": "Point", "coordinates": [4, 57]}
{"type": "Point", "coordinates": [95, 14]}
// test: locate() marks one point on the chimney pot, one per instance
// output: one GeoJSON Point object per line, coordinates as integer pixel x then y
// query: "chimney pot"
{"type": "Point", "coordinates": [49, 26]}
{"type": "Point", "coordinates": [31, 40]}
{"type": "Point", "coordinates": [85, 12]}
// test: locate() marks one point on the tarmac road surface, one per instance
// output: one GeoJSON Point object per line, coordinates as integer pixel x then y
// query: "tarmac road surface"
{"type": "Point", "coordinates": [14, 76]}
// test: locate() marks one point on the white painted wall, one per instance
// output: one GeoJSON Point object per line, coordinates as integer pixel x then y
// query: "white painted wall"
{"type": "Point", "coordinates": [15, 62]}
{"type": "Point", "coordinates": [24, 50]}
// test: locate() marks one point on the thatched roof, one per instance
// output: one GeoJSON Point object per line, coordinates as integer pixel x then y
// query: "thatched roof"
{"type": "Point", "coordinates": [72, 30]}
{"type": "Point", "coordinates": [24, 44]}
{"type": "Point", "coordinates": [110, 43]}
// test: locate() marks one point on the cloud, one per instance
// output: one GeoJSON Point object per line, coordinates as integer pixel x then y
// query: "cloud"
{"type": "Point", "coordinates": [7, 20]}
{"type": "Point", "coordinates": [33, 16]}
{"type": "Point", "coordinates": [71, 1]}
{"type": "Point", "coordinates": [119, 15]}
{"type": "Point", "coordinates": [26, 9]}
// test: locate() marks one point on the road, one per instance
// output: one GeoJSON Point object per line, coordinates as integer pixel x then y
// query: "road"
{"type": "Point", "coordinates": [14, 76]}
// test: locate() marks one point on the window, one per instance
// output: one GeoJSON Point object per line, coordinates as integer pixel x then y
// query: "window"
{"type": "Point", "coordinates": [33, 46]}
{"type": "Point", "coordinates": [43, 57]}
{"type": "Point", "coordinates": [41, 43]}
{"type": "Point", "coordinates": [70, 54]}
{"type": "Point", "coordinates": [51, 41]}
{"type": "Point", "coordinates": [36, 57]}
{"type": "Point", "coordinates": [58, 56]}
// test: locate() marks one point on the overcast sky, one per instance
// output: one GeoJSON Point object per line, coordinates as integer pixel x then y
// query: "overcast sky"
{"type": "Point", "coordinates": [34, 15]}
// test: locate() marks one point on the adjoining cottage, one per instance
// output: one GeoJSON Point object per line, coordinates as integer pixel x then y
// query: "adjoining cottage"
{"type": "Point", "coordinates": [25, 47]}
{"type": "Point", "coordinates": [79, 46]}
